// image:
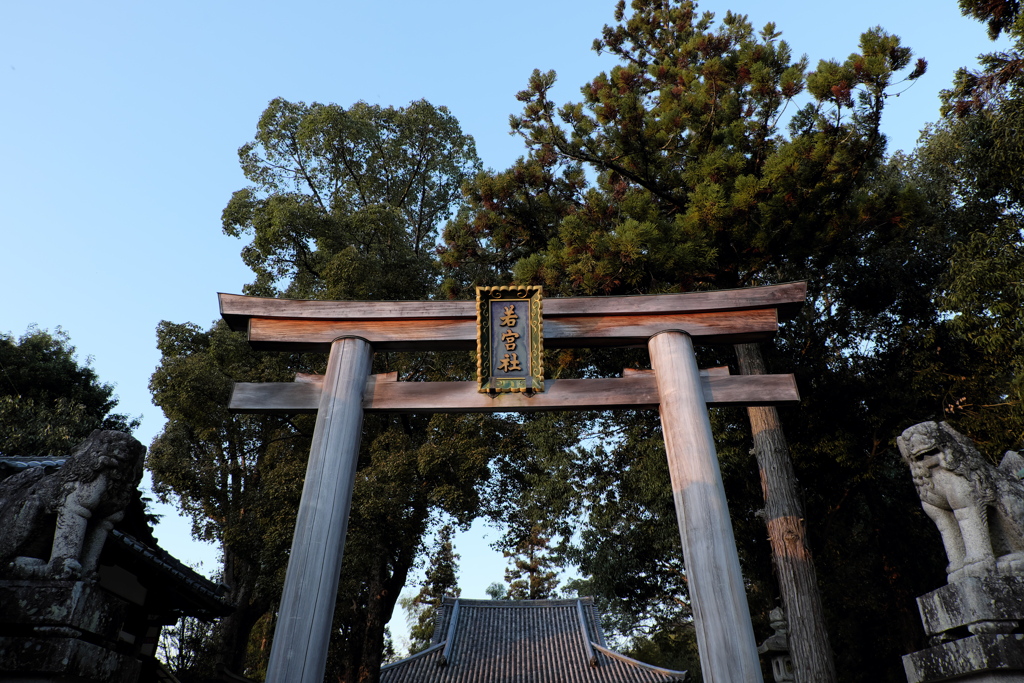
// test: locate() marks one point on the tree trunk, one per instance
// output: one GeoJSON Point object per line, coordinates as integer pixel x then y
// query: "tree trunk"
{"type": "Point", "coordinates": [787, 533]}
{"type": "Point", "coordinates": [234, 629]}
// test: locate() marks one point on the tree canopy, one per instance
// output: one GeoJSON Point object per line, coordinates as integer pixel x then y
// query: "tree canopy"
{"type": "Point", "coordinates": [49, 400]}
{"type": "Point", "coordinates": [678, 170]}
{"type": "Point", "coordinates": [345, 203]}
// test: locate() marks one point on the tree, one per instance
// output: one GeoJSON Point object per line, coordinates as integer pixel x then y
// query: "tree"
{"type": "Point", "coordinates": [182, 649]}
{"type": "Point", "coordinates": [532, 574]}
{"type": "Point", "coordinates": [237, 477]}
{"type": "Point", "coordinates": [441, 580]}
{"type": "Point", "coordinates": [48, 400]}
{"type": "Point", "coordinates": [976, 90]}
{"type": "Point", "coordinates": [696, 187]}
{"type": "Point", "coordinates": [971, 162]}
{"type": "Point", "coordinates": [345, 203]}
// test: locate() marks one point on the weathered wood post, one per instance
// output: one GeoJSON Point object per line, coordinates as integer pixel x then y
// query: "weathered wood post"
{"type": "Point", "coordinates": [725, 636]}
{"type": "Point", "coordinates": [299, 653]}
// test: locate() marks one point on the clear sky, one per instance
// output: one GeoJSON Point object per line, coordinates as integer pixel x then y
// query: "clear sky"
{"type": "Point", "coordinates": [120, 122]}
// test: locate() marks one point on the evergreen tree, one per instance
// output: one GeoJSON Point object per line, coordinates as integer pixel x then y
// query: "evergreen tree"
{"type": "Point", "coordinates": [49, 401]}
{"type": "Point", "coordinates": [970, 164]}
{"type": "Point", "coordinates": [238, 477]}
{"type": "Point", "coordinates": [696, 187]}
{"type": "Point", "coordinates": [441, 581]}
{"type": "Point", "coordinates": [532, 574]}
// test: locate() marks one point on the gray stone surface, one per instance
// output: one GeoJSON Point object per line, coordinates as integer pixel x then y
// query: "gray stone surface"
{"type": "Point", "coordinates": [978, 508]}
{"type": "Point", "coordinates": [36, 606]}
{"type": "Point", "coordinates": [55, 523]}
{"type": "Point", "coordinates": [62, 630]}
{"type": "Point", "coordinates": [63, 659]}
{"type": "Point", "coordinates": [969, 659]}
{"type": "Point", "coordinates": [993, 605]}
{"type": "Point", "coordinates": [777, 647]}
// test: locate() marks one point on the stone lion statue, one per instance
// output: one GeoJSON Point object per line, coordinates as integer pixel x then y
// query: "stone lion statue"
{"type": "Point", "coordinates": [55, 524]}
{"type": "Point", "coordinates": [978, 508]}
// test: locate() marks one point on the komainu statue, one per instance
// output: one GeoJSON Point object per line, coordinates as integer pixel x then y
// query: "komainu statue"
{"type": "Point", "coordinates": [978, 508]}
{"type": "Point", "coordinates": [54, 524]}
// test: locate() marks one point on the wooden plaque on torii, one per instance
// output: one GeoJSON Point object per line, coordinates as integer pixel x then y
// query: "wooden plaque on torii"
{"type": "Point", "coordinates": [667, 324]}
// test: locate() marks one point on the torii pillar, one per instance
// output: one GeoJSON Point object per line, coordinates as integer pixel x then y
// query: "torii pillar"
{"type": "Point", "coordinates": [318, 544]}
{"type": "Point", "coordinates": [669, 324]}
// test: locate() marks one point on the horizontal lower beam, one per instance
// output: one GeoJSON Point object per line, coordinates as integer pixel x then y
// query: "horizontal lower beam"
{"type": "Point", "coordinates": [237, 309]}
{"type": "Point", "coordinates": [721, 327]}
{"type": "Point", "coordinates": [636, 390]}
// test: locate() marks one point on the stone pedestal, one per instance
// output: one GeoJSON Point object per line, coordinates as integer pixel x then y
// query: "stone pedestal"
{"type": "Point", "coordinates": [68, 631]}
{"type": "Point", "coordinates": [973, 626]}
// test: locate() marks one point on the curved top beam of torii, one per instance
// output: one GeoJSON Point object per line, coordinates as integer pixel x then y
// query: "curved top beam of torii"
{"type": "Point", "coordinates": [723, 316]}
{"type": "Point", "coordinates": [728, 316]}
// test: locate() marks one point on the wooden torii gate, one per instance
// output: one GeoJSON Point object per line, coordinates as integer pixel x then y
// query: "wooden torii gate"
{"type": "Point", "coordinates": [668, 324]}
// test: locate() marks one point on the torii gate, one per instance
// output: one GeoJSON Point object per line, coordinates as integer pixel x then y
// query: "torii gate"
{"type": "Point", "coordinates": [669, 325]}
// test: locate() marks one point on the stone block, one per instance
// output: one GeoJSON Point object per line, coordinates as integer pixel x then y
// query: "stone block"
{"type": "Point", "coordinates": [985, 657]}
{"type": "Point", "coordinates": [65, 659]}
{"type": "Point", "coordinates": [982, 605]}
{"type": "Point", "coordinates": [28, 606]}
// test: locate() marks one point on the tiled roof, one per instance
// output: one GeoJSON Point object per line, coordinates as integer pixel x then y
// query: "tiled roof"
{"type": "Point", "coordinates": [185, 590]}
{"type": "Point", "coordinates": [194, 594]}
{"type": "Point", "coordinates": [16, 463]}
{"type": "Point", "coordinates": [521, 641]}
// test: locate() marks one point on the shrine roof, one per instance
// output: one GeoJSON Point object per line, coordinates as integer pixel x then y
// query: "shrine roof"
{"type": "Point", "coordinates": [178, 589]}
{"type": "Point", "coordinates": [521, 641]}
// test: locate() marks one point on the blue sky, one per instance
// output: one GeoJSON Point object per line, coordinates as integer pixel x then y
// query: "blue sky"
{"type": "Point", "coordinates": [121, 120]}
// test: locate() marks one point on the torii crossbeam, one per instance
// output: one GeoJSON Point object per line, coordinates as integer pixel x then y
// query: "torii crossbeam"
{"type": "Point", "coordinates": [668, 324]}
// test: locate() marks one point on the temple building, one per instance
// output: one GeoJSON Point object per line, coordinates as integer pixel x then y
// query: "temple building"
{"type": "Point", "coordinates": [521, 641]}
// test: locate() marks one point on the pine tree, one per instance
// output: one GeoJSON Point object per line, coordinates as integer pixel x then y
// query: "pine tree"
{"type": "Point", "coordinates": [532, 574]}
{"type": "Point", "coordinates": [441, 581]}
{"type": "Point", "coordinates": [696, 187]}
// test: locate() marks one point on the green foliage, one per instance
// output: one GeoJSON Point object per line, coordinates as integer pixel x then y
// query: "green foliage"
{"type": "Point", "coordinates": [48, 400]}
{"type": "Point", "coordinates": [184, 648]}
{"type": "Point", "coordinates": [236, 476]}
{"type": "Point", "coordinates": [971, 165]}
{"type": "Point", "coordinates": [344, 204]}
{"type": "Point", "coordinates": [696, 185]}
{"type": "Point", "coordinates": [986, 297]}
{"type": "Point", "coordinates": [1001, 72]}
{"type": "Point", "coordinates": [497, 591]}
{"type": "Point", "coordinates": [972, 162]}
{"type": "Point", "coordinates": [441, 580]}
{"type": "Point", "coordinates": [1000, 15]}
{"type": "Point", "coordinates": [628, 551]}
{"type": "Point", "coordinates": [533, 574]}
{"type": "Point", "coordinates": [697, 188]}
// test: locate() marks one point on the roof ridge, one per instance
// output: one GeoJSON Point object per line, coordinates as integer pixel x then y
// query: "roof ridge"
{"type": "Point", "coordinates": [543, 602]}
{"type": "Point", "coordinates": [421, 653]}
{"type": "Point", "coordinates": [626, 659]}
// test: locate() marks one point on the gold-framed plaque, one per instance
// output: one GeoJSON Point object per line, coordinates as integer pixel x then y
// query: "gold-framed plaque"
{"type": "Point", "coordinates": [509, 339]}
